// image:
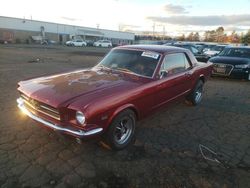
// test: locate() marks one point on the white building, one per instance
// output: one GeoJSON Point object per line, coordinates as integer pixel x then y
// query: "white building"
{"type": "Point", "coordinates": [22, 30]}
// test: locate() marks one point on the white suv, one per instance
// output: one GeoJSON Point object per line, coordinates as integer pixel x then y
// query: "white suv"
{"type": "Point", "coordinates": [103, 43]}
{"type": "Point", "coordinates": [77, 42]}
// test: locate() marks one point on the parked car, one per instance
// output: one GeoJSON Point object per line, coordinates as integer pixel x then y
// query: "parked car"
{"type": "Point", "coordinates": [89, 42]}
{"type": "Point", "coordinates": [207, 47]}
{"type": "Point", "coordinates": [232, 62]}
{"type": "Point", "coordinates": [198, 55]}
{"type": "Point", "coordinates": [77, 42]}
{"type": "Point", "coordinates": [103, 43]}
{"type": "Point", "coordinates": [215, 50]}
{"type": "Point", "coordinates": [48, 42]}
{"type": "Point", "coordinates": [130, 83]}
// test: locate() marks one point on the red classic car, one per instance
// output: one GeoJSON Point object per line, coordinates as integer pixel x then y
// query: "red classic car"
{"type": "Point", "coordinates": [130, 83]}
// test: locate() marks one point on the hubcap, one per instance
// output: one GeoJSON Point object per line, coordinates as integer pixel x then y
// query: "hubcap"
{"type": "Point", "coordinates": [123, 130]}
{"type": "Point", "coordinates": [198, 95]}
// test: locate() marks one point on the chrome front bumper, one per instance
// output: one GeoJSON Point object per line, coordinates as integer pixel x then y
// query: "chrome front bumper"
{"type": "Point", "coordinates": [78, 133]}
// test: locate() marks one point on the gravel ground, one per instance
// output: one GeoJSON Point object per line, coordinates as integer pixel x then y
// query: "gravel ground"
{"type": "Point", "coordinates": [166, 152]}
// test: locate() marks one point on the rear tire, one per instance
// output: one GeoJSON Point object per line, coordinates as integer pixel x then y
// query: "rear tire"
{"type": "Point", "coordinates": [121, 131]}
{"type": "Point", "coordinates": [195, 96]}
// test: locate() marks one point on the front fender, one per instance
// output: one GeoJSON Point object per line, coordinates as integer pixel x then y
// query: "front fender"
{"type": "Point", "coordinates": [120, 109]}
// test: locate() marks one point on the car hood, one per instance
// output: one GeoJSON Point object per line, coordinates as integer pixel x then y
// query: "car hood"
{"type": "Point", "coordinates": [58, 90]}
{"type": "Point", "coordinates": [230, 60]}
{"type": "Point", "coordinates": [211, 52]}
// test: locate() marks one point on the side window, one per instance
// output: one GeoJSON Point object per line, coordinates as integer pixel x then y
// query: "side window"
{"type": "Point", "coordinates": [187, 62]}
{"type": "Point", "coordinates": [174, 64]}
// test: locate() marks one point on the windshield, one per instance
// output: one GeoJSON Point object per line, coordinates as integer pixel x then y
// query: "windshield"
{"type": "Point", "coordinates": [193, 49]}
{"type": "Point", "coordinates": [236, 52]}
{"type": "Point", "coordinates": [217, 48]}
{"type": "Point", "coordinates": [137, 62]}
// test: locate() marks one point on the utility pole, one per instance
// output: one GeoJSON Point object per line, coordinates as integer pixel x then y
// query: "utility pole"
{"type": "Point", "coordinates": [154, 29]}
{"type": "Point", "coordinates": [163, 32]}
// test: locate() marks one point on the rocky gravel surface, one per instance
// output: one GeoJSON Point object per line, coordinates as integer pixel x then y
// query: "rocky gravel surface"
{"type": "Point", "coordinates": [180, 146]}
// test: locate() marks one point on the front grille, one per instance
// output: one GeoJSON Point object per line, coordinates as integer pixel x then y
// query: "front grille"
{"type": "Point", "coordinates": [35, 106]}
{"type": "Point", "coordinates": [222, 69]}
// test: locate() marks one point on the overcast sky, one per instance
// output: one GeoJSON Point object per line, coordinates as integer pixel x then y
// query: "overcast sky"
{"type": "Point", "coordinates": [177, 16]}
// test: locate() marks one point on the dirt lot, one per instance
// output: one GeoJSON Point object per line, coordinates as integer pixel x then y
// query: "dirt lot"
{"type": "Point", "coordinates": [165, 154]}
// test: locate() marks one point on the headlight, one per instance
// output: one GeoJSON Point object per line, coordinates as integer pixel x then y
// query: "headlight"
{"type": "Point", "coordinates": [80, 117]}
{"type": "Point", "coordinates": [244, 66]}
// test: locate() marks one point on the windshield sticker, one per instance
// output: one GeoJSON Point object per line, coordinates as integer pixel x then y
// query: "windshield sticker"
{"type": "Point", "coordinates": [150, 54]}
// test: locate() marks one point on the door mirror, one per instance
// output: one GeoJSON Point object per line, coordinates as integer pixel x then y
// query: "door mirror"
{"type": "Point", "coordinates": [163, 74]}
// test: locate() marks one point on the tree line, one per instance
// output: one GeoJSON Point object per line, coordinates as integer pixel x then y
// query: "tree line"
{"type": "Point", "coordinates": [217, 35]}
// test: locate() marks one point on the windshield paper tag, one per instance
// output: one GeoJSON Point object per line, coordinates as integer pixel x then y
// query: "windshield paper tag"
{"type": "Point", "coordinates": [150, 54]}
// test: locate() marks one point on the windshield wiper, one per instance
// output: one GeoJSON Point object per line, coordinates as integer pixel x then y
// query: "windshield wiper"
{"type": "Point", "coordinates": [123, 69]}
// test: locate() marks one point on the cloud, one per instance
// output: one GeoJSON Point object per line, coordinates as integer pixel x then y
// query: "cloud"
{"type": "Point", "coordinates": [70, 19]}
{"type": "Point", "coordinates": [216, 20]}
{"type": "Point", "coordinates": [128, 27]}
{"type": "Point", "coordinates": [175, 9]}
{"type": "Point", "coordinates": [232, 28]}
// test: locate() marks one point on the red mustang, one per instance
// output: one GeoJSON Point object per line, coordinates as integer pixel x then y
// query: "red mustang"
{"type": "Point", "coordinates": [130, 83]}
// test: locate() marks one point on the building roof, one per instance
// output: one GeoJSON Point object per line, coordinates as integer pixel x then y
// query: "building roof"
{"type": "Point", "coordinates": [62, 29]}
{"type": "Point", "coordinates": [90, 33]}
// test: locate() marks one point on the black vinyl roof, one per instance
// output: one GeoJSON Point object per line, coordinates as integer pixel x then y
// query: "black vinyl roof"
{"type": "Point", "coordinates": [155, 48]}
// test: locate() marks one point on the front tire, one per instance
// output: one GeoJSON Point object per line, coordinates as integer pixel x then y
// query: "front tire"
{"type": "Point", "coordinates": [195, 96]}
{"type": "Point", "coordinates": [121, 131]}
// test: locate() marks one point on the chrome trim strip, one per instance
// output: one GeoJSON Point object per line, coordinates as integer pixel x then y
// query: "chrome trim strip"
{"type": "Point", "coordinates": [49, 109]}
{"type": "Point", "coordinates": [25, 97]}
{"type": "Point", "coordinates": [163, 103]}
{"type": "Point", "coordinates": [55, 127]}
{"type": "Point", "coordinates": [33, 107]}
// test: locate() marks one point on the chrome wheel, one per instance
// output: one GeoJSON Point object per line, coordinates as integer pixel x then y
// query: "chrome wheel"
{"type": "Point", "coordinates": [123, 130]}
{"type": "Point", "coordinates": [198, 94]}
{"type": "Point", "coordinates": [195, 96]}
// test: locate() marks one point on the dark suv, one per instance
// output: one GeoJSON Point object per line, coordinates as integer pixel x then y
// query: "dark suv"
{"type": "Point", "coordinates": [198, 55]}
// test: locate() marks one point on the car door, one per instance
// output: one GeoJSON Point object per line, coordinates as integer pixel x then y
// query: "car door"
{"type": "Point", "coordinates": [105, 44]}
{"type": "Point", "coordinates": [175, 78]}
{"type": "Point", "coordinates": [78, 43]}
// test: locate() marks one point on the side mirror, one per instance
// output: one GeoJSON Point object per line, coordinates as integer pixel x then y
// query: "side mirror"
{"type": "Point", "coordinates": [163, 74]}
